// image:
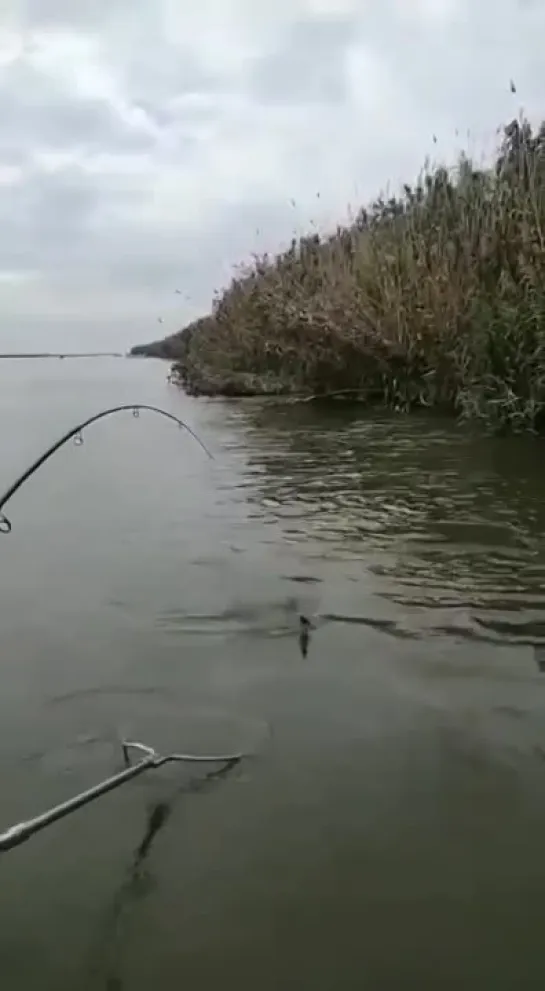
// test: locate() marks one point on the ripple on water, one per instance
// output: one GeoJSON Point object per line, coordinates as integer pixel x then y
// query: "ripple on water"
{"type": "Point", "coordinates": [445, 527]}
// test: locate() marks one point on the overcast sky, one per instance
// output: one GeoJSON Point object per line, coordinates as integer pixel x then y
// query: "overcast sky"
{"type": "Point", "coordinates": [150, 145]}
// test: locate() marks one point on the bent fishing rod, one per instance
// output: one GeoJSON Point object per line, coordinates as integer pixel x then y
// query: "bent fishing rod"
{"type": "Point", "coordinates": [22, 831]}
{"type": "Point", "coordinates": [76, 434]}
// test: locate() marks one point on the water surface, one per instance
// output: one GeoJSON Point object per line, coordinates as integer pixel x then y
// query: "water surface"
{"type": "Point", "coordinates": [387, 831]}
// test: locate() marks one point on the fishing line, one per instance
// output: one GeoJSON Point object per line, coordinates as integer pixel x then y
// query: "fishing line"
{"type": "Point", "coordinates": [75, 434]}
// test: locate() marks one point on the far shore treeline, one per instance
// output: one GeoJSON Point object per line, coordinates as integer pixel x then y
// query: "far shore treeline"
{"type": "Point", "coordinates": [434, 298]}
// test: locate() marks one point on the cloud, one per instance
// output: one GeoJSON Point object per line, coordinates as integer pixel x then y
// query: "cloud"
{"type": "Point", "coordinates": [146, 147]}
{"type": "Point", "coordinates": [308, 66]}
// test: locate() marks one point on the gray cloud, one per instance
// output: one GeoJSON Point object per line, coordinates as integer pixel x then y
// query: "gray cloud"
{"type": "Point", "coordinates": [65, 13]}
{"type": "Point", "coordinates": [49, 222]}
{"type": "Point", "coordinates": [146, 147]}
{"type": "Point", "coordinates": [308, 64]}
{"type": "Point", "coordinates": [37, 113]}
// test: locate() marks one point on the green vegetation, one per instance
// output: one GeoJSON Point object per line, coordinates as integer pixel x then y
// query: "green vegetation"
{"type": "Point", "coordinates": [433, 298]}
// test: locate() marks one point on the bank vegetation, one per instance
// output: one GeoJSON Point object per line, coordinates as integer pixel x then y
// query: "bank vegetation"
{"type": "Point", "coordinates": [433, 298]}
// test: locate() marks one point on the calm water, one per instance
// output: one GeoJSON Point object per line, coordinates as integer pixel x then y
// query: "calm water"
{"type": "Point", "coordinates": [387, 831]}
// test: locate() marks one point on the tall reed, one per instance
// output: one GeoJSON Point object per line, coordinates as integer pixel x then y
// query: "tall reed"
{"type": "Point", "coordinates": [435, 297]}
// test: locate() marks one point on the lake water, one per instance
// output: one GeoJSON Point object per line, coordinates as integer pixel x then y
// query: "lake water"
{"type": "Point", "coordinates": [387, 829]}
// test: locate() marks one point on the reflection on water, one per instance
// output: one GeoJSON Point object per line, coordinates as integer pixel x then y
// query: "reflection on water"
{"type": "Point", "coordinates": [449, 527]}
{"type": "Point", "coordinates": [106, 963]}
{"type": "Point", "coordinates": [355, 601]}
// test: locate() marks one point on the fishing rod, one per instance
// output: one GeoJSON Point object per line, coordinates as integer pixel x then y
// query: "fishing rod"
{"type": "Point", "coordinates": [151, 759]}
{"type": "Point", "coordinates": [76, 434]}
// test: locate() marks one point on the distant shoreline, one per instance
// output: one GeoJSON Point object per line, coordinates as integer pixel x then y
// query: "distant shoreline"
{"type": "Point", "coordinates": [66, 354]}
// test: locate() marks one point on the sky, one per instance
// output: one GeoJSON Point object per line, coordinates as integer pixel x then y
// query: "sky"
{"type": "Point", "coordinates": [148, 147]}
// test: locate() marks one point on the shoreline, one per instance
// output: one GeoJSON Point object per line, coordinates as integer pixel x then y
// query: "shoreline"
{"type": "Point", "coordinates": [433, 299]}
{"type": "Point", "coordinates": [62, 354]}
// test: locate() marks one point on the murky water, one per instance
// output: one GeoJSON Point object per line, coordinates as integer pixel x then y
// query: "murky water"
{"type": "Point", "coordinates": [387, 829]}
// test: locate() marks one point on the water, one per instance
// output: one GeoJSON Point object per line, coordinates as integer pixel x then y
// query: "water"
{"type": "Point", "coordinates": [387, 831]}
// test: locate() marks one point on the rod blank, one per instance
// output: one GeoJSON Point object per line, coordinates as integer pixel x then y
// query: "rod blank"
{"type": "Point", "coordinates": [76, 434]}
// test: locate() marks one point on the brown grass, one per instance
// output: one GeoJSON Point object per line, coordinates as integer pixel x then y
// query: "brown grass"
{"type": "Point", "coordinates": [433, 298]}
